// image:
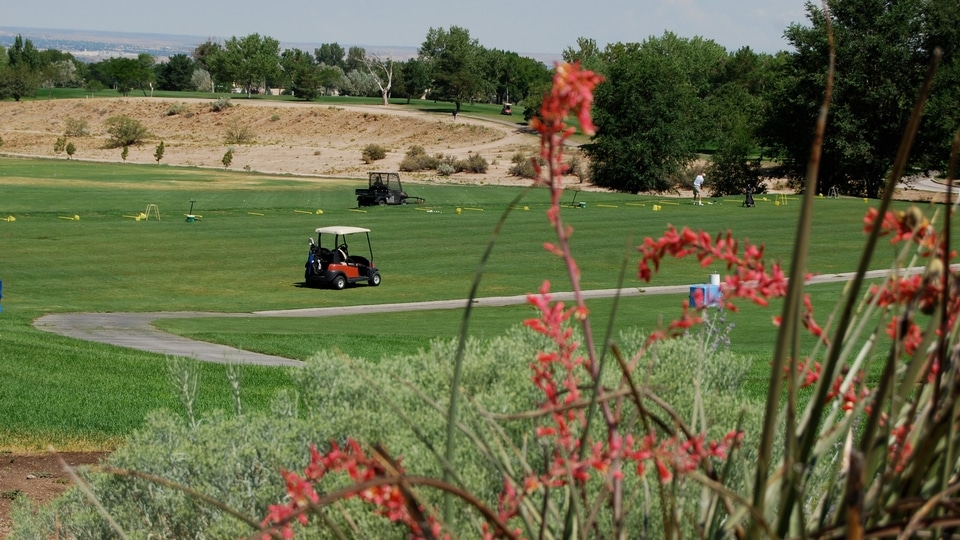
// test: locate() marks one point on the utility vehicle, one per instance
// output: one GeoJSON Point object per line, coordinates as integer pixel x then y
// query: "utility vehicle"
{"type": "Point", "coordinates": [383, 188]}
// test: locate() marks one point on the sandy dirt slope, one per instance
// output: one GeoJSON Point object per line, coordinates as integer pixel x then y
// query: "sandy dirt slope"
{"type": "Point", "coordinates": [290, 138]}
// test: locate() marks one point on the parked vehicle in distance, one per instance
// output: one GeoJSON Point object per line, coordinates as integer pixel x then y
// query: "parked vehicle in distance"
{"type": "Point", "coordinates": [330, 264]}
{"type": "Point", "coordinates": [506, 109]}
{"type": "Point", "coordinates": [384, 188]}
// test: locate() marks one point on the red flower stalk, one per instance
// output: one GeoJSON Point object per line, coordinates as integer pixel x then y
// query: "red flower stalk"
{"type": "Point", "coordinates": [750, 280]}
{"type": "Point", "coordinates": [903, 226]}
{"type": "Point", "coordinates": [388, 499]}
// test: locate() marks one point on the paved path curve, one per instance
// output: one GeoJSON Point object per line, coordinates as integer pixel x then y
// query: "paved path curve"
{"type": "Point", "coordinates": [135, 330]}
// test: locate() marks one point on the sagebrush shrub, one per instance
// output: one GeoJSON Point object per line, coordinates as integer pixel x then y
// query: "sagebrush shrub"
{"type": "Point", "coordinates": [373, 152]}
{"type": "Point", "coordinates": [175, 109]}
{"type": "Point", "coordinates": [416, 159]}
{"type": "Point", "coordinates": [125, 131]}
{"type": "Point", "coordinates": [221, 104]}
{"type": "Point", "coordinates": [76, 127]}
{"type": "Point", "coordinates": [238, 133]}
{"type": "Point", "coordinates": [446, 169]}
{"type": "Point", "coordinates": [523, 167]}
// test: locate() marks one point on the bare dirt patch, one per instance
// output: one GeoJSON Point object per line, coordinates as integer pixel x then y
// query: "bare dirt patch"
{"type": "Point", "coordinates": [287, 138]}
{"type": "Point", "coordinates": [38, 476]}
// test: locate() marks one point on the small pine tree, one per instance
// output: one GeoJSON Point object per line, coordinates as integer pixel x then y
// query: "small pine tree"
{"type": "Point", "coordinates": [227, 158]}
{"type": "Point", "coordinates": [125, 152]}
{"type": "Point", "coordinates": [59, 145]}
{"type": "Point", "coordinates": [71, 150]}
{"type": "Point", "coordinates": [158, 155]}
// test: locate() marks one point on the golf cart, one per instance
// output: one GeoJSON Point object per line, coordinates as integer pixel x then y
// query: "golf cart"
{"type": "Point", "coordinates": [506, 109]}
{"type": "Point", "coordinates": [329, 263]}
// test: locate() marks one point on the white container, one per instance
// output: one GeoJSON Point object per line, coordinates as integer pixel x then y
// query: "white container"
{"type": "Point", "coordinates": [714, 279]}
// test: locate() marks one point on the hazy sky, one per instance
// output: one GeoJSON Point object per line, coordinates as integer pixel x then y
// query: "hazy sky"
{"type": "Point", "coordinates": [531, 26]}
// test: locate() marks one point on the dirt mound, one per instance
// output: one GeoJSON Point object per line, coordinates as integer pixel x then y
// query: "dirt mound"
{"type": "Point", "coordinates": [40, 477]}
{"type": "Point", "coordinates": [283, 137]}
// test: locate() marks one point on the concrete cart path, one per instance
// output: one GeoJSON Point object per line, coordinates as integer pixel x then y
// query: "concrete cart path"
{"type": "Point", "coordinates": [135, 330]}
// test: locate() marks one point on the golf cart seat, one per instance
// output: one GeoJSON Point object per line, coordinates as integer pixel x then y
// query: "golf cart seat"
{"type": "Point", "coordinates": [358, 260]}
{"type": "Point", "coordinates": [338, 256]}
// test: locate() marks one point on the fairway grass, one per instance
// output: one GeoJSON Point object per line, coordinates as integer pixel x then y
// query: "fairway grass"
{"type": "Point", "coordinates": [75, 245]}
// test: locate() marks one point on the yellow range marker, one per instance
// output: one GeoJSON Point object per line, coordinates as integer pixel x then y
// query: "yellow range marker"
{"type": "Point", "coordinates": [302, 212]}
{"type": "Point", "coordinates": [255, 213]}
{"type": "Point", "coordinates": [601, 205]}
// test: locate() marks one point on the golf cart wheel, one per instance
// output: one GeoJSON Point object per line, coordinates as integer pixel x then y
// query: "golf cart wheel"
{"type": "Point", "coordinates": [339, 282]}
{"type": "Point", "coordinates": [374, 279]}
{"type": "Point", "coordinates": [382, 202]}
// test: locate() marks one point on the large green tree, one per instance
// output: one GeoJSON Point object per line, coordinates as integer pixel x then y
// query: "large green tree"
{"type": "Point", "coordinates": [355, 60]}
{"type": "Point", "coordinates": [331, 54]}
{"type": "Point", "coordinates": [302, 75]}
{"type": "Point", "coordinates": [736, 108]}
{"type": "Point", "coordinates": [122, 74]}
{"type": "Point", "coordinates": [176, 73]}
{"type": "Point", "coordinates": [414, 79]}
{"type": "Point", "coordinates": [24, 54]}
{"type": "Point", "coordinates": [942, 116]}
{"type": "Point", "coordinates": [882, 51]}
{"type": "Point", "coordinates": [650, 111]}
{"type": "Point", "coordinates": [587, 53]}
{"type": "Point", "coordinates": [18, 82]}
{"type": "Point", "coordinates": [454, 59]}
{"type": "Point", "coordinates": [510, 77]}
{"type": "Point", "coordinates": [250, 62]}
{"type": "Point", "coordinates": [147, 74]}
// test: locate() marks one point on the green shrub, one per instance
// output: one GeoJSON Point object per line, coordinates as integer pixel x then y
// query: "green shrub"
{"type": "Point", "coordinates": [446, 169]}
{"type": "Point", "coordinates": [221, 104]}
{"type": "Point", "coordinates": [474, 164]}
{"type": "Point", "coordinates": [227, 158]}
{"type": "Point", "coordinates": [76, 127]}
{"type": "Point", "coordinates": [125, 131]}
{"type": "Point", "coordinates": [176, 108]}
{"type": "Point", "coordinates": [397, 402]}
{"type": "Point", "coordinates": [416, 150]}
{"type": "Point", "coordinates": [237, 133]}
{"type": "Point", "coordinates": [416, 159]}
{"type": "Point", "coordinates": [71, 150]}
{"type": "Point", "coordinates": [60, 145]}
{"type": "Point", "coordinates": [236, 459]}
{"type": "Point", "coordinates": [523, 166]}
{"type": "Point", "coordinates": [575, 167]}
{"type": "Point", "coordinates": [373, 152]}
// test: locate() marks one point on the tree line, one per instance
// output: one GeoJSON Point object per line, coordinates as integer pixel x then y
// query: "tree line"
{"type": "Point", "coordinates": [451, 66]}
{"type": "Point", "coordinates": [664, 101]}
{"type": "Point", "coordinates": [668, 99]}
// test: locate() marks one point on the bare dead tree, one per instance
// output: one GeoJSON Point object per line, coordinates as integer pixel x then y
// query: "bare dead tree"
{"type": "Point", "coordinates": [381, 69]}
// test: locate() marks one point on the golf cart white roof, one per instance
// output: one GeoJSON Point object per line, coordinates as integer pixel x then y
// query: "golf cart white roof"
{"type": "Point", "coordinates": [341, 230]}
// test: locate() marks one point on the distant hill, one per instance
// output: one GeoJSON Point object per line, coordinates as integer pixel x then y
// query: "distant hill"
{"type": "Point", "coordinates": [93, 46]}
